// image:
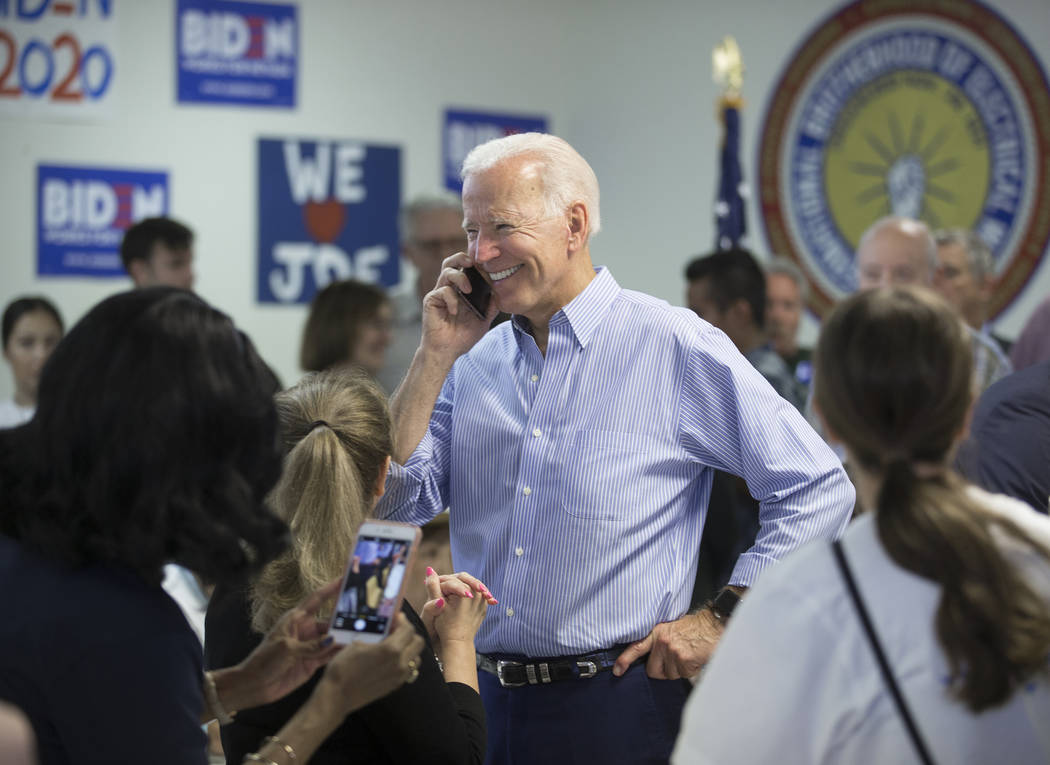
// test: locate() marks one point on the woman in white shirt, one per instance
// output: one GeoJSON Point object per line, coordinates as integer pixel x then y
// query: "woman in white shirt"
{"type": "Point", "coordinates": [956, 582]}
{"type": "Point", "coordinates": [32, 328]}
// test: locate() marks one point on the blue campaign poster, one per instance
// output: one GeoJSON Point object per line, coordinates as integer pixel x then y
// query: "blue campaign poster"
{"type": "Point", "coordinates": [327, 210]}
{"type": "Point", "coordinates": [82, 213]}
{"type": "Point", "coordinates": [236, 53]}
{"type": "Point", "coordinates": [465, 129]}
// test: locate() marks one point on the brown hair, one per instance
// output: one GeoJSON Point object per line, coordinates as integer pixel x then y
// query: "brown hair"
{"type": "Point", "coordinates": [894, 376]}
{"type": "Point", "coordinates": [336, 431]}
{"type": "Point", "coordinates": [333, 326]}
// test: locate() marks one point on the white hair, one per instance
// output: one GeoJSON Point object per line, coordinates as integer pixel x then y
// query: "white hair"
{"type": "Point", "coordinates": [781, 266]}
{"type": "Point", "coordinates": [423, 204]}
{"type": "Point", "coordinates": [909, 227]}
{"type": "Point", "coordinates": [978, 255]}
{"type": "Point", "coordinates": [567, 177]}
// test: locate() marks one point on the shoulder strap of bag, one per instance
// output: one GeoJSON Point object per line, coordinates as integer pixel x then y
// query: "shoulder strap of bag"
{"type": "Point", "coordinates": [884, 665]}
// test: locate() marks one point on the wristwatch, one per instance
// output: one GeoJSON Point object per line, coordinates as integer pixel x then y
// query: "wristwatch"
{"type": "Point", "coordinates": [723, 604]}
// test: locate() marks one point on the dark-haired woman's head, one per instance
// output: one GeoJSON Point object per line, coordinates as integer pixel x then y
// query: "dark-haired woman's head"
{"type": "Point", "coordinates": [155, 440]}
{"type": "Point", "coordinates": [894, 382]}
{"type": "Point", "coordinates": [32, 328]}
{"type": "Point", "coordinates": [349, 323]}
{"type": "Point", "coordinates": [894, 376]}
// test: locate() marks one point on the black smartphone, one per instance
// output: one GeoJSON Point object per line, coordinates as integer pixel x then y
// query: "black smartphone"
{"type": "Point", "coordinates": [480, 294]}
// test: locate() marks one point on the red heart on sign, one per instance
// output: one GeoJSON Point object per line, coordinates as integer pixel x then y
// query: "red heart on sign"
{"type": "Point", "coordinates": [324, 220]}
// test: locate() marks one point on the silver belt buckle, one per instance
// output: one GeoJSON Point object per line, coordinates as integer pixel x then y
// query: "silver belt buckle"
{"type": "Point", "coordinates": [587, 668]}
{"type": "Point", "coordinates": [503, 664]}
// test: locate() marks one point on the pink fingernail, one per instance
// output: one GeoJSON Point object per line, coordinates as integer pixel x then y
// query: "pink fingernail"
{"type": "Point", "coordinates": [470, 594]}
{"type": "Point", "coordinates": [440, 603]}
{"type": "Point", "coordinates": [430, 571]}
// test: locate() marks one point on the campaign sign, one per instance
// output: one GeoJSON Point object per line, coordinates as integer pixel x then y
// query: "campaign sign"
{"type": "Point", "coordinates": [57, 58]}
{"type": "Point", "coordinates": [327, 211]}
{"type": "Point", "coordinates": [236, 53]}
{"type": "Point", "coordinates": [464, 130]}
{"type": "Point", "coordinates": [82, 213]}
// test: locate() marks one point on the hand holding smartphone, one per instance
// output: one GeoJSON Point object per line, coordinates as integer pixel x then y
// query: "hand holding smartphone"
{"type": "Point", "coordinates": [374, 582]}
{"type": "Point", "coordinates": [480, 294]}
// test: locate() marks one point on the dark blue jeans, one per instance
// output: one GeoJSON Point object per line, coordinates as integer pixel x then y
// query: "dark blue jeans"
{"type": "Point", "coordinates": [631, 719]}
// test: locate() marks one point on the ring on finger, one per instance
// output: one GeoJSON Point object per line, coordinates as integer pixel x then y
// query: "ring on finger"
{"type": "Point", "coordinates": [413, 670]}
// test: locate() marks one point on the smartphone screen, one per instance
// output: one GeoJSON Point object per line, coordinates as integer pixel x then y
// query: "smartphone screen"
{"type": "Point", "coordinates": [374, 581]}
{"type": "Point", "coordinates": [480, 293]}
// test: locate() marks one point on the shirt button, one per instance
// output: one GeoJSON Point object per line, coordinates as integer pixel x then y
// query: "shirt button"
{"type": "Point", "coordinates": [519, 552]}
{"type": "Point", "coordinates": [537, 433]}
{"type": "Point", "coordinates": [535, 378]}
{"type": "Point", "coordinates": [510, 612]}
{"type": "Point", "coordinates": [526, 491]}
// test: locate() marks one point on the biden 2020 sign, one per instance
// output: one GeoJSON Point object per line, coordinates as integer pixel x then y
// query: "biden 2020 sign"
{"type": "Point", "coordinates": [237, 53]}
{"type": "Point", "coordinates": [82, 213]}
{"type": "Point", "coordinates": [58, 59]}
{"type": "Point", "coordinates": [327, 210]}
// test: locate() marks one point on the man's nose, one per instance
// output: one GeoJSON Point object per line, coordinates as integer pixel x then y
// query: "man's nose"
{"type": "Point", "coordinates": [485, 249]}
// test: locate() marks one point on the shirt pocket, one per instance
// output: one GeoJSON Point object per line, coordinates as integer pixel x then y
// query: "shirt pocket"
{"type": "Point", "coordinates": [604, 475]}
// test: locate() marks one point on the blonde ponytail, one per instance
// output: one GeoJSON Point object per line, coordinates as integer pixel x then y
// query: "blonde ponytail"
{"type": "Point", "coordinates": [337, 429]}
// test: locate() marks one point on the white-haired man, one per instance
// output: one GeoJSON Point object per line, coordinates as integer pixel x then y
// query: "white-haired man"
{"type": "Point", "coordinates": [898, 251]}
{"type": "Point", "coordinates": [575, 445]}
{"type": "Point", "coordinates": [430, 228]}
{"type": "Point", "coordinates": [965, 275]}
{"type": "Point", "coordinates": [786, 291]}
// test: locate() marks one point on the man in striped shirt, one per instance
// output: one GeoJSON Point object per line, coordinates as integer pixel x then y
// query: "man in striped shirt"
{"type": "Point", "coordinates": [575, 446]}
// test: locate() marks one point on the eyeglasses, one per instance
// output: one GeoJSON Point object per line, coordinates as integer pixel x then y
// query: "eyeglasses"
{"type": "Point", "coordinates": [441, 247]}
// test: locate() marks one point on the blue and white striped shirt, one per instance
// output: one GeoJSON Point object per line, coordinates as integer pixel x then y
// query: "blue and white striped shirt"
{"type": "Point", "coordinates": [578, 481]}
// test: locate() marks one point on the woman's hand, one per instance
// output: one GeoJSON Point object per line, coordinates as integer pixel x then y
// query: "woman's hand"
{"type": "Point", "coordinates": [454, 612]}
{"type": "Point", "coordinates": [364, 672]}
{"type": "Point", "coordinates": [288, 656]}
{"type": "Point", "coordinates": [357, 676]}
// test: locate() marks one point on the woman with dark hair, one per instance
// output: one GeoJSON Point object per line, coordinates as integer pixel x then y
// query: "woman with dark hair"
{"type": "Point", "coordinates": [349, 324]}
{"type": "Point", "coordinates": [923, 635]}
{"type": "Point", "coordinates": [155, 441]}
{"type": "Point", "coordinates": [32, 328]}
{"type": "Point", "coordinates": [337, 434]}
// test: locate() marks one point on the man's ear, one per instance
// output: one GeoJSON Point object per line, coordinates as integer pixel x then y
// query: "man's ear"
{"type": "Point", "coordinates": [138, 270]}
{"type": "Point", "coordinates": [985, 288]}
{"type": "Point", "coordinates": [739, 313]}
{"type": "Point", "coordinates": [579, 226]}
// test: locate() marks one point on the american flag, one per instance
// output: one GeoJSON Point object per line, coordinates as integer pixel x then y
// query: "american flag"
{"type": "Point", "coordinates": [730, 212]}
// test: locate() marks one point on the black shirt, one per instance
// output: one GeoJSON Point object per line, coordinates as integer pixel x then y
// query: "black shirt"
{"type": "Point", "coordinates": [104, 665]}
{"type": "Point", "coordinates": [428, 721]}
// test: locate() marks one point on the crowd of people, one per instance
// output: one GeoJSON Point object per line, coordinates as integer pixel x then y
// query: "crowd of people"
{"type": "Point", "coordinates": [679, 535]}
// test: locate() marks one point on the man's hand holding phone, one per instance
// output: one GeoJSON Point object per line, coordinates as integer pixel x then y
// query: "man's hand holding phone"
{"type": "Point", "coordinates": [459, 310]}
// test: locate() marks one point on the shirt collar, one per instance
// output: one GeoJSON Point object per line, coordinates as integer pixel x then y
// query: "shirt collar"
{"type": "Point", "coordinates": [584, 312]}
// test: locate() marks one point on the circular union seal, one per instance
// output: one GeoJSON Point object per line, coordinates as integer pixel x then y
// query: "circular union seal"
{"type": "Point", "coordinates": [923, 109]}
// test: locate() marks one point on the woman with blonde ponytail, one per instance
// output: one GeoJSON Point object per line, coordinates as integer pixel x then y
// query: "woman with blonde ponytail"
{"type": "Point", "coordinates": [337, 441]}
{"type": "Point", "coordinates": [924, 634]}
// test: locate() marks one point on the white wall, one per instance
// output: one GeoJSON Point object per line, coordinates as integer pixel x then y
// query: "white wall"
{"type": "Point", "coordinates": [627, 83]}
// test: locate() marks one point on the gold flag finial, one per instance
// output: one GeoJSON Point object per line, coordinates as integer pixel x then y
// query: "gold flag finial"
{"type": "Point", "coordinates": [728, 67]}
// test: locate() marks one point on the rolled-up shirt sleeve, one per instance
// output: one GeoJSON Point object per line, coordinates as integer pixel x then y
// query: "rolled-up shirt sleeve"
{"type": "Point", "coordinates": [733, 420]}
{"type": "Point", "coordinates": [418, 490]}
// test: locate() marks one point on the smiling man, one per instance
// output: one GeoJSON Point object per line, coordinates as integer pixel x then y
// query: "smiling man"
{"type": "Point", "coordinates": [575, 446]}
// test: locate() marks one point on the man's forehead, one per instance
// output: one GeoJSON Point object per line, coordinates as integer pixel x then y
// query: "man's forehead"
{"type": "Point", "coordinates": [892, 247]}
{"type": "Point", "coordinates": [161, 250]}
{"type": "Point", "coordinates": [430, 224]}
{"type": "Point", "coordinates": [781, 282]}
{"type": "Point", "coordinates": [954, 252]}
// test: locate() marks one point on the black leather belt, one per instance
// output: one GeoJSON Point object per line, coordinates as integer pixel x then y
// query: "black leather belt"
{"type": "Point", "coordinates": [514, 673]}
